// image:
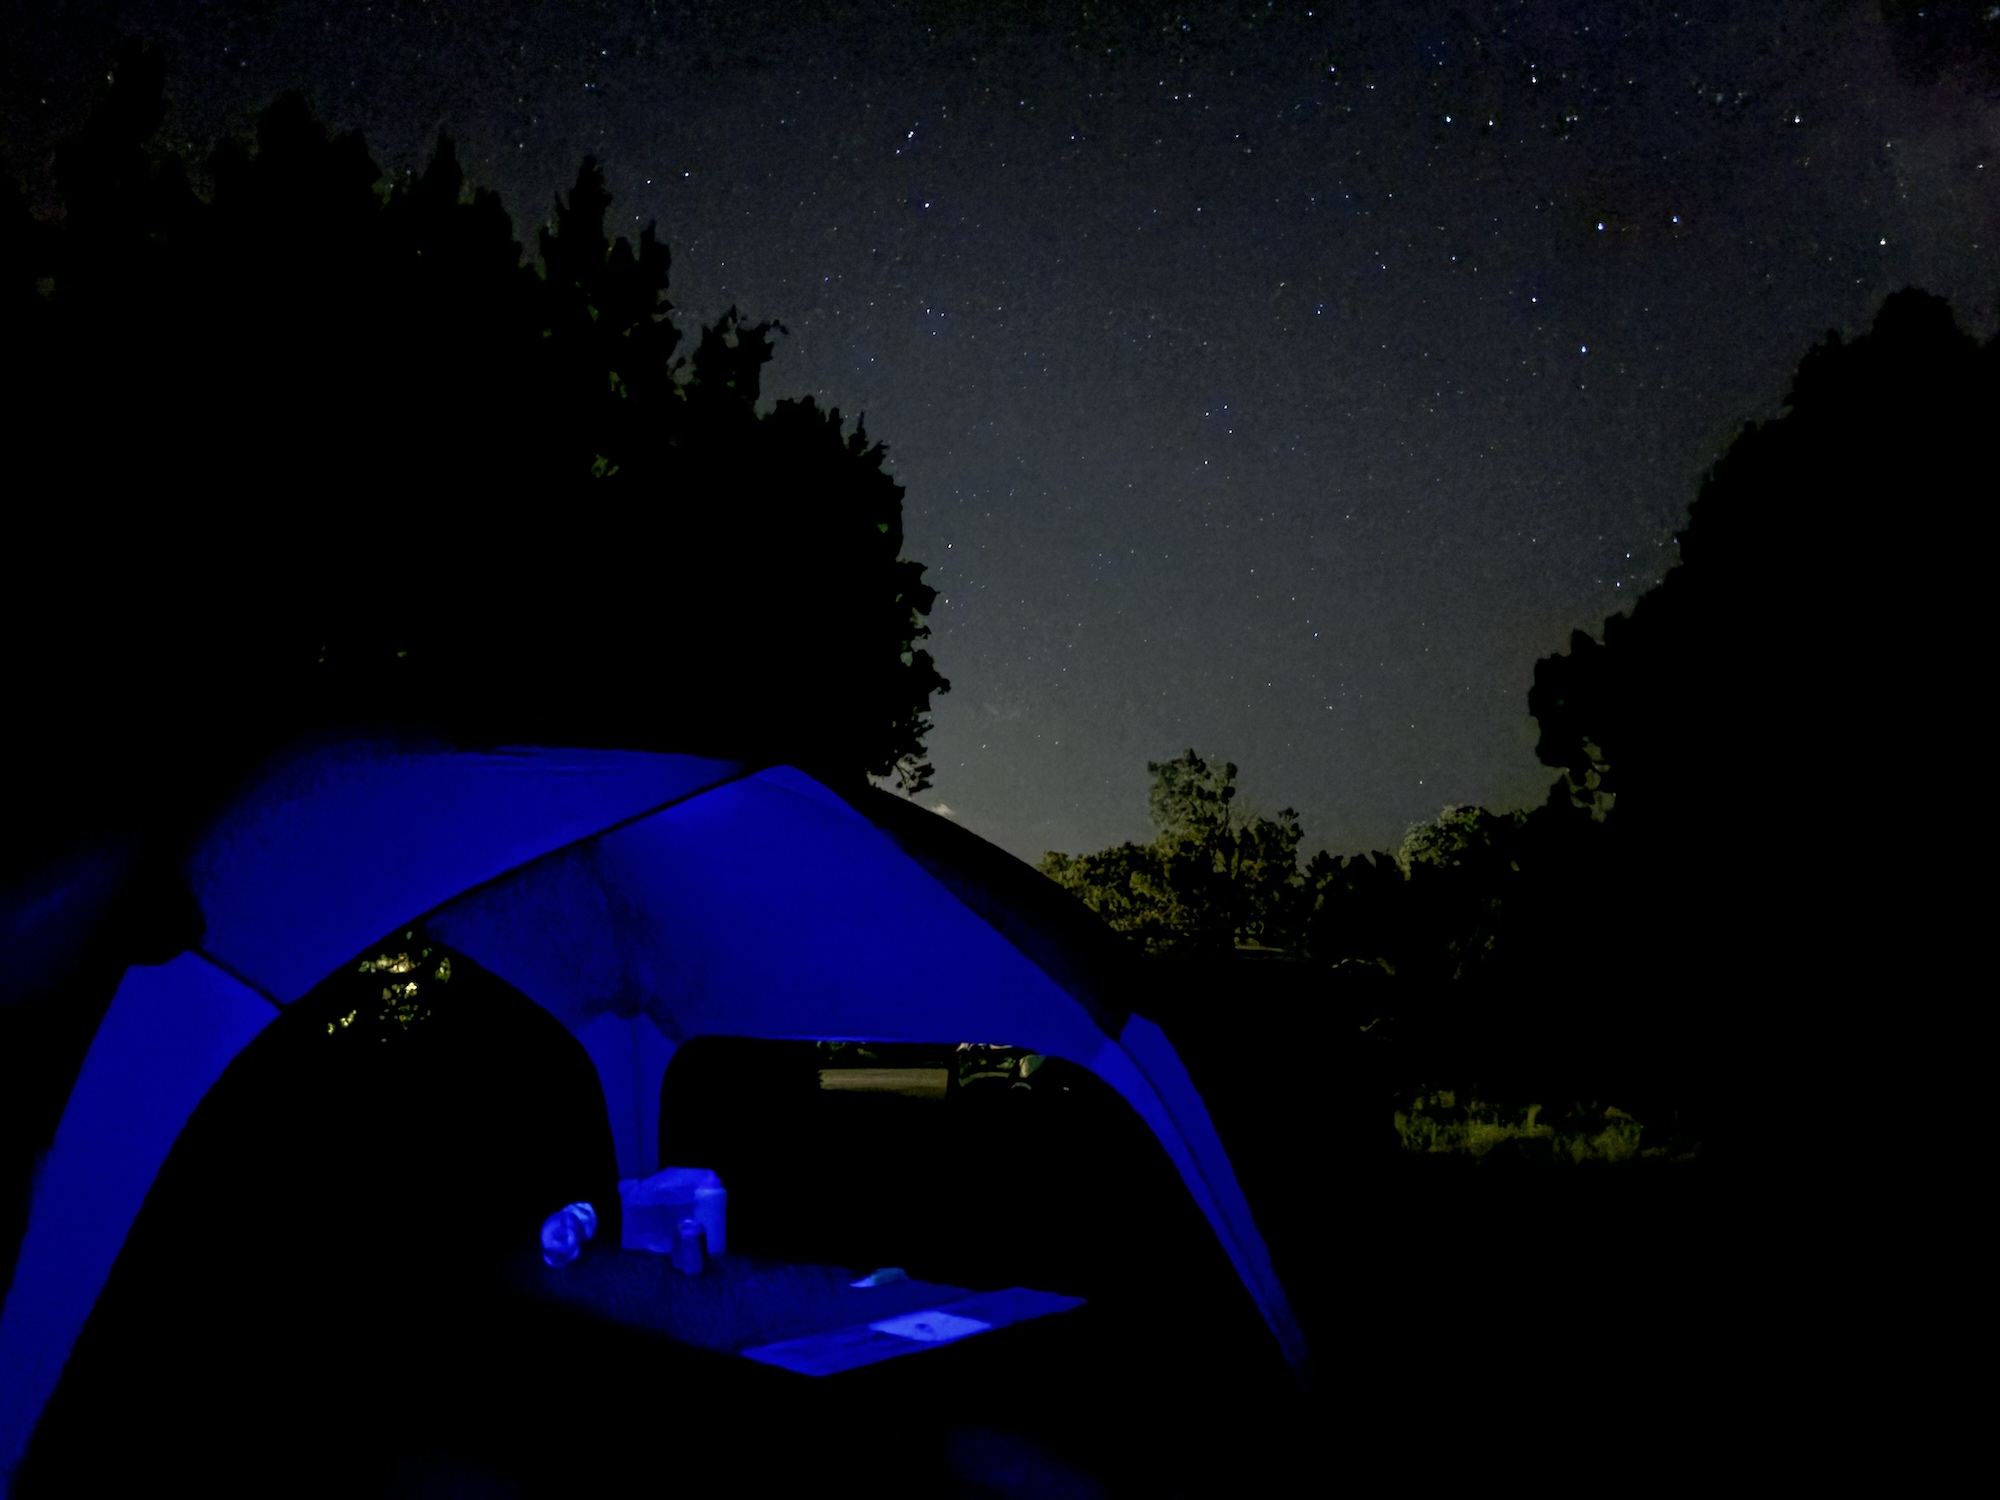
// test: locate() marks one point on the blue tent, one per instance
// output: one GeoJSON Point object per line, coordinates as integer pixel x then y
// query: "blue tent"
{"type": "Point", "coordinates": [641, 899]}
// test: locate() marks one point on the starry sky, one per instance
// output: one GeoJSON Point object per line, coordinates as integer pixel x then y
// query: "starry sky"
{"type": "Point", "coordinates": [1275, 379]}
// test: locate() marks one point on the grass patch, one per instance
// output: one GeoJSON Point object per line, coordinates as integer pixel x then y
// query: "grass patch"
{"type": "Point", "coordinates": [1436, 1123]}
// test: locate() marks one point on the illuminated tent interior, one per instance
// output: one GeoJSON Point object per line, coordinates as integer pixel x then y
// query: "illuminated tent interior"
{"type": "Point", "coordinates": [643, 901]}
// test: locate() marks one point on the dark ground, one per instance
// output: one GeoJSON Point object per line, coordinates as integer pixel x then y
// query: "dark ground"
{"type": "Point", "coordinates": [295, 1313]}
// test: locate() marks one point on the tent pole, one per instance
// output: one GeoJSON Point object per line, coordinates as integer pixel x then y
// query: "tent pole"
{"type": "Point", "coordinates": [631, 1055]}
{"type": "Point", "coordinates": [170, 1032]}
{"type": "Point", "coordinates": [1143, 1066]}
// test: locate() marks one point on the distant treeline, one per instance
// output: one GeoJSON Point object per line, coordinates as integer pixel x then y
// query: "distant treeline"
{"type": "Point", "coordinates": [1749, 863]}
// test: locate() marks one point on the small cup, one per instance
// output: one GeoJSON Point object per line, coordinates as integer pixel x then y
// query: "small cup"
{"type": "Point", "coordinates": [687, 1247]}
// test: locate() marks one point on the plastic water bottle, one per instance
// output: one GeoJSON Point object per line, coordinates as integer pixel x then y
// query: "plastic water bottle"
{"type": "Point", "coordinates": [566, 1231]}
{"type": "Point", "coordinates": [711, 1211]}
{"type": "Point", "coordinates": [687, 1247]}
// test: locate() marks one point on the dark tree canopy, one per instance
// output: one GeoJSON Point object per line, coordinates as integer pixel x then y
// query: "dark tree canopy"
{"type": "Point", "coordinates": [314, 450]}
{"type": "Point", "coordinates": [1822, 580]}
{"type": "Point", "coordinates": [1767, 737]}
{"type": "Point", "coordinates": [1214, 876]}
{"type": "Point", "coordinates": [1724, 879]}
{"type": "Point", "coordinates": [1777, 702]}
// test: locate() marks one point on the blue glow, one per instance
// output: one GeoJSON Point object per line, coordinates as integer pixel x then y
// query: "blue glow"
{"type": "Point", "coordinates": [1144, 1067]}
{"type": "Point", "coordinates": [651, 1209]}
{"type": "Point", "coordinates": [771, 908]}
{"type": "Point", "coordinates": [909, 1333]}
{"type": "Point", "coordinates": [933, 1327]}
{"type": "Point", "coordinates": [755, 910]}
{"type": "Point", "coordinates": [169, 1033]}
{"type": "Point", "coordinates": [880, 1278]}
{"type": "Point", "coordinates": [641, 899]}
{"type": "Point", "coordinates": [631, 1056]}
{"type": "Point", "coordinates": [333, 848]}
{"type": "Point", "coordinates": [566, 1231]}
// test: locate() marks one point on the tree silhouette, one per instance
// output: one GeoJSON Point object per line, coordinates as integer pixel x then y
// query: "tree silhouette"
{"type": "Point", "coordinates": [1782, 663]}
{"type": "Point", "coordinates": [319, 451]}
{"type": "Point", "coordinates": [1719, 884]}
{"type": "Point", "coordinates": [314, 452]}
{"type": "Point", "coordinates": [1360, 912]}
{"type": "Point", "coordinates": [1213, 878]}
{"type": "Point", "coordinates": [1768, 731]}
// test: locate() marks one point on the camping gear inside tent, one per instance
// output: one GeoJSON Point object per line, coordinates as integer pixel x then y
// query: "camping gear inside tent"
{"type": "Point", "coordinates": [643, 900]}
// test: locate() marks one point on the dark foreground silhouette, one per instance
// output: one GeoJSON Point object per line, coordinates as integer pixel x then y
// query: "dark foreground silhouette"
{"type": "Point", "coordinates": [317, 1294]}
{"type": "Point", "coordinates": [316, 1297]}
{"type": "Point", "coordinates": [1737, 890]}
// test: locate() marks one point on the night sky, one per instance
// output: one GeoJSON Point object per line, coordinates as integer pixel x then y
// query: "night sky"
{"type": "Point", "coordinates": [1280, 380]}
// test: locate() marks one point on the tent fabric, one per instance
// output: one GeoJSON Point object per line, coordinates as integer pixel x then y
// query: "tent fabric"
{"type": "Point", "coordinates": [1058, 933]}
{"type": "Point", "coordinates": [631, 1056]}
{"type": "Point", "coordinates": [1143, 1066]}
{"type": "Point", "coordinates": [759, 910]}
{"type": "Point", "coordinates": [643, 900]}
{"type": "Point", "coordinates": [332, 848]}
{"type": "Point", "coordinates": [170, 1031]}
